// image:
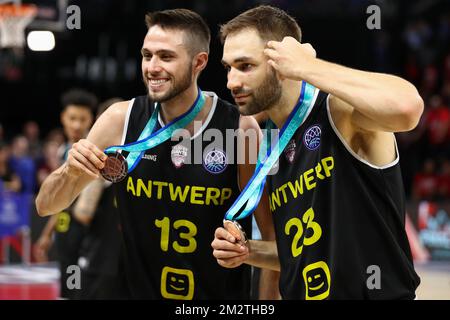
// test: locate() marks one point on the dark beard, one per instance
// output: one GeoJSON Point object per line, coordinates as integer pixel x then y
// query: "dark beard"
{"type": "Point", "coordinates": [265, 96]}
{"type": "Point", "coordinates": [179, 87]}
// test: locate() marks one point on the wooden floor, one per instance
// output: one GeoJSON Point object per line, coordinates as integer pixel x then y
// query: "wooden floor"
{"type": "Point", "coordinates": [435, 281]}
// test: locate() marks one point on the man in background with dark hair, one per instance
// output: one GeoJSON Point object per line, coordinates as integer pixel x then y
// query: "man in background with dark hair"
{"type": "Point", "coordinates": [77, 117]}
{"type": "Point", "coordinates": [169, 208]}
{"type": "Point", "coordinates": [337, 199]}
{"type": "Point", "coordinates": [96, 209]}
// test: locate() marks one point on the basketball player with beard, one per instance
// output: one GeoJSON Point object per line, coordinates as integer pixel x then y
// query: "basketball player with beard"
{"type": "Point", "coordinates": [337, 199]}
{"type": "Point", "coordinates": [169, 209]}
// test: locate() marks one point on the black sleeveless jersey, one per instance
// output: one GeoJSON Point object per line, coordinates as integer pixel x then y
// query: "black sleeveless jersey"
{"type": "Point", "coordinates": [169, 210]}
{"type": "Point", "coordinates": [340, 221]}
{"type": "Point", "coordinates": [99, 250]}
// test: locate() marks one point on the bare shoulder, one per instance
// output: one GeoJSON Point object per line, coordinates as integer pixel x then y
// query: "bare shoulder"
{"type": "Point", "coordinates": [108, 128]}
{"type": "Point", "coordinates": [117, 111]}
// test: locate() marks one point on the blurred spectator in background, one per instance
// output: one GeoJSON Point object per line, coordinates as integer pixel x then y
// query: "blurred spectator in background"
{"type": "Point", "coordinates": [49, 162]}
{"type": "Point", "coordinates": [446, 69]}
{"type": "Point", "coordinates": [10, 181]}
{"type": "Point", "coordinates": [438, 128]}
{"type": "Point", "coordinates": [23, 164]}
{"type": "Point", "coordinates": [446, 91]}
{"type": "Point", "coordinates": [426, 182]}
{"type": "Point", "coordinates": [444, 181]}
{"type": "Point", "coordinates": [31, 131]}
{"type": "Point", "coordinates": [57, 136]}
{"type": "Point", "coordinates": [412, 71]}
{"type": "Point", "coordinates": [430, 80]}
{"type": "Point", "coordinates": [77, 117]}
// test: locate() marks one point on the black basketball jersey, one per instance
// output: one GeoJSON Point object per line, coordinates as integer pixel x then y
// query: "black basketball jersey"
{"type": "Point", "coordinates": [340, 221]}
{"type": "Point", "coordinates": [169, 211]}
{"type": "Point", "coordinates": [99, 250]}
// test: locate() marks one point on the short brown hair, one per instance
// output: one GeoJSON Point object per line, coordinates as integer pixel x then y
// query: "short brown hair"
{"type": "Point", "coordinates": [271, 23]}
{"type": "Point", "coordinates": [197, 31]}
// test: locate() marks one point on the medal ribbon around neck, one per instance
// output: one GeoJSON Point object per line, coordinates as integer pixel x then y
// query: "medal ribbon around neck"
{"type": "Point", "coordinates": [149, 139]}
{"type": "Point", "coordinates": [267, 156]}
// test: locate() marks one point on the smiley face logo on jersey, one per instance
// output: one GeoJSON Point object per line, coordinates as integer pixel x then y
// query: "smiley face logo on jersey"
{"type": "Point", "coordinates": [317, 281]}
{"type": "Point", "coordinates": [177, 284]}
{"type": "Point", "coordinates": [63, 222]}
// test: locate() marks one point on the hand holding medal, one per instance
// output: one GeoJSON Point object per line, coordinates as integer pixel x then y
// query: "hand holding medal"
{"type": "Point", "coordinates": [236, 230]}
{"type": "Point", "coordinates": [117, 166]}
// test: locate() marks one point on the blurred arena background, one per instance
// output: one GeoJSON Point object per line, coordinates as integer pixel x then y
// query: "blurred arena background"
{"type": "Point", "coordinates": [103, 56]}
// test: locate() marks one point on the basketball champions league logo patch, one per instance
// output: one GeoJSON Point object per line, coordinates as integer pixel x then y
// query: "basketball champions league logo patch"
{"type": "Point", "coordinates": [311, 138]}
{"type": "Point", "coordinates": [178, 155]}
{"type": "Point", "coordinates": [215, 161]}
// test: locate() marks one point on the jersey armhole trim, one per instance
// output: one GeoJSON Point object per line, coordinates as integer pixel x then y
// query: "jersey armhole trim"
{"type": "Point", "coordinates": [313, 103]}
{"type": "Point", "coordinates": [356, 156]}
{"type": "Point", "coordinates": [210, 114]}
{"type": "Point", "coordinates": [127, 119]}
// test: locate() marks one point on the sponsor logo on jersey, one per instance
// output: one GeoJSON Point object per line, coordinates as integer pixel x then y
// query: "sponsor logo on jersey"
{"type": "Point", "coordinates": [311, 138]}
{"type": "Point", "coordinates": [289, 152]}
{"type": "Point", "coordinates": [178, 155]}
{"type": "Point", "coordinates": [152, 157]}
{"type": "Point", "coordinates": [215, 161]}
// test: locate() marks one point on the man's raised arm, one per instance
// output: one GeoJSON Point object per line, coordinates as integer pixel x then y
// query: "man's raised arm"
{"type": "Point", "coordinates": [84, 162]}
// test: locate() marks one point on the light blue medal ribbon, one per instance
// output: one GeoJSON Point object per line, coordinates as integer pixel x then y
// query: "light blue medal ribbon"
{"type": "Point", "coordinates": [148, 140]}
{"type": "Point", "coordinates": [267, 157]}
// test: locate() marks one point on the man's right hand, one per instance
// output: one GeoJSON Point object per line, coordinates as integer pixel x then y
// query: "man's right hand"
{"type": "Point", "coordinates": [85, 158]}
{"type": "Point", "coordinates": [228, 252]}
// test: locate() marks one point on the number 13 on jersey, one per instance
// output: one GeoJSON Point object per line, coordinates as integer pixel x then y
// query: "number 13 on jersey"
{"type": "Point", "coordinates": [186, 231]}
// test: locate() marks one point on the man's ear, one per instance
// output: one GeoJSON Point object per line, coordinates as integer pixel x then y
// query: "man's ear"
{"type": "Point", "coordinates": [200, 61]}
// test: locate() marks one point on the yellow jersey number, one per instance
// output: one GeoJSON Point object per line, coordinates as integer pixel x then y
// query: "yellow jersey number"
{"type": "Point", "coordinates": [186, 231]}
{"type": "Point", "coordinates": [308, 217]}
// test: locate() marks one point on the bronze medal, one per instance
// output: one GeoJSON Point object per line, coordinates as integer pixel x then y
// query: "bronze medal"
{"type": "Point", "coordinates": [116, 167]}
{"type": "Point", "coordinates": [236, 230]}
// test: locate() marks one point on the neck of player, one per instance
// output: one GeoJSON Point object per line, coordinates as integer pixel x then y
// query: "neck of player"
{"type": "Point", "coordinates": [280, 112]}
{"type": "Point", "coordinates": [182, 103]}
